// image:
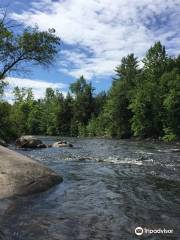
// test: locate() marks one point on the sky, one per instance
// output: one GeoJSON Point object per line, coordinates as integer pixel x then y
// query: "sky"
{"type": "Point", "coordinates": [95, 35]}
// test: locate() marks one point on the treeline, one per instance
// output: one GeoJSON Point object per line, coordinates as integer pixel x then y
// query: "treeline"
{"type": "Point", "coordinates": [56, 114]}
{"type": "Point", "coordinates": [142, 102]}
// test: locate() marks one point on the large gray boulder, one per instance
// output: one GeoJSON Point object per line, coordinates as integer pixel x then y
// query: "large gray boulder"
{"type": "Point", "coordinates": [20, 175]}
{"type": "Point", "coordinates": [29, 142]}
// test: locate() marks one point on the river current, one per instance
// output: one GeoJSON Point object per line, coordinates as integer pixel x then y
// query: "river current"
{"type": "Point", "coordinates": [110, 187]}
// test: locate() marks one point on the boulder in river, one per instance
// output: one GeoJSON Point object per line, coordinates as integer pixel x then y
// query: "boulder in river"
{"type": "Point", "coordinates": [29, 142]}
{"type": "Point", "coordinates": [62, 144]}
{"type": "Point", "coordinates": [42, 145]}
{"type": "Point", "coordinates": [3, 143]}
{"type": "Point", "coordinates": [175, 150]}
{"type": "Point", "coordinates": [20, 175]}
{"type": "Point", "coordinates": [49, 145]}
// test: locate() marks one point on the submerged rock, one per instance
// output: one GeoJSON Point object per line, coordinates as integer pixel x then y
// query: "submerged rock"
{"type": "Point", "coordinates": [20, 175]}
{"type": "Point", "coordinates": [29, 142]}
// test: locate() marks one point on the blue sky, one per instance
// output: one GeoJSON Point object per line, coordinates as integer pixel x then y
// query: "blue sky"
{"type": "Point", "coordinates": [95, 35]}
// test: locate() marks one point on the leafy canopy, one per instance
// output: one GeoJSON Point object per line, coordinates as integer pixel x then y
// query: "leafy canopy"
{"type": "Point", "coordinates": [31, 46]}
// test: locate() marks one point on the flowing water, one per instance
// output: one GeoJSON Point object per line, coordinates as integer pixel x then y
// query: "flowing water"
{"type": "Point", "coordinates": [110, 187]}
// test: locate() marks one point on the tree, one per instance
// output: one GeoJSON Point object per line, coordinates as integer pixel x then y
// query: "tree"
{"type": "Point", "coordinates": [32, 46]}
{"type": "Point", "coordinates": [127, 70]}
{"type": "Point", "coordinates": [6, 128]}
{"type": "Point", "coordinates": [146, 103]}
{"type": "Point", "coordinates": [83, 103]}
{"type": "Point", "coordinates": [21, 110]}
{"type": "Point", "coordinates": [49, 105]}
{"type": "Point", "coordinates": [155, 61]}
{"type": "Point", "coordinates": [117, 109]}
{"type": "Point", "coordinates": [141, 102]}
{"type": "Point", "coordinates": [35, 120]}
{"type": "Point", "coordinates": [170, 84]}
{"type": "Point", "coordinates": [146, 108]}
{"type": "Point", "coordinates": [64, 115]}
{"type": "Point", "coordinates": [2, 86]}
{"type": "Point", "coordinates": [99, 102]}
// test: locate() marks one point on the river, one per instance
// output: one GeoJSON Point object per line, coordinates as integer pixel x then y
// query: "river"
{"type": "Point", "coordinates": [110, 187]}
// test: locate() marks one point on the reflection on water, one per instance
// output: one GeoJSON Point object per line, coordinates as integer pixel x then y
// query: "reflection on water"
{"type": "Point", "coordinates": [110, 187]}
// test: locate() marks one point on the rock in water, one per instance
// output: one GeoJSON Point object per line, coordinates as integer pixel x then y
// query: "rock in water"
{"type": "Point", "coordinates": [29, 142]}
{"type": "Point", "coordinates": [42, 145]}
{"type": "Point", "coordinates": [62, 144]}
{"type": "Point", "coordinates": [3, 143]}
{"type": "Point", "coordinates": [175, 150]}
{"type": "Point", "coordinates": [20, 175]}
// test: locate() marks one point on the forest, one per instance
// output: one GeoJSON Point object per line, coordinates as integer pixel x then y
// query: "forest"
{"type": "Point", "coordinates": [142, 102]}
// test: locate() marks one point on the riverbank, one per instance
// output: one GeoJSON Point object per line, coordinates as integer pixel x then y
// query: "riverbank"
{"type": "Point", "coordinates": [20, 175]}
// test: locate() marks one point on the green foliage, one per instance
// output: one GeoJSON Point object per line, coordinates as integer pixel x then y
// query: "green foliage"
{"type": "Point", "coordinates": [141, 102]}
{"type": "Point", "coordinates": [6, 129]}
{"type": "Point", "coordinates": [83, 103]}
{"type": "Point", "coordinates": [146, 108]}
{"type": "Point", "coordinates": [171, 101]}
{"type": "Point", "coordinates": [99, 102]}
{"type": "Point", "coordinates": [96, 127]}
{"type": "Point", "coordinates": [2, 86]}
{"type": "Point", "coordinates": [32, 45]}
{"type": "Point", "coordinates": [169, 135]}
{"type": "Point", "coordinates": [116, 110]}
{"type": "Point", "coordinates": [49, 111]}
{"type": "Point", "coordinates": [155, 61]}
{"type": "Point", "coordinates": [23, 105]}
{"type": "Point", "coordinates": [82, 130]}
{"type": "Point", "coordinates": [92, 127]}
{"type": "Point", "coordinates": [64, 115]}
{"type": "Point", "coordinates": [34, 122]}
{"type": "Point", "coordinates": [146, 103]}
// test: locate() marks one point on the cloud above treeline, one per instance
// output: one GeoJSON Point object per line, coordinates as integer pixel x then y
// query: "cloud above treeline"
{"type": "Point", "coordinates": [38, 86]}
{"type": "Point", "coordinates": [98, 33]}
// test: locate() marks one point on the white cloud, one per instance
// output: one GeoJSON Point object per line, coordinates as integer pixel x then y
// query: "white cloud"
{"type": "Point", "coordinates": [101, 32]}
{"type": "Point", "coordinates": [38, 86]}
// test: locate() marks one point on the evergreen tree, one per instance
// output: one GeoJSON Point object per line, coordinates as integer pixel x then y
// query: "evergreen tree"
{"type": "Point", "coordinates": [48, 125]}
{"type": "Point", "coordinates": [170, 83]}
{"type": "Point", "coordinates": [117, 110]}
{"type": "Point", "coordinates": [35, 119]}
{"type": "Point", "coordinates": [83, 104]}
{"type": "Point", "coordinates": [64, 114]}
{"type": "Point", "coordinates": [21, 109]}
{"type": "Point", "coordinates": [146, 104]}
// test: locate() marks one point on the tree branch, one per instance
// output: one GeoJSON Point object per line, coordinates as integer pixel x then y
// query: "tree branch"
{"type": "Point", "coordinates": [10, 66]}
